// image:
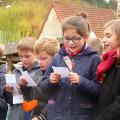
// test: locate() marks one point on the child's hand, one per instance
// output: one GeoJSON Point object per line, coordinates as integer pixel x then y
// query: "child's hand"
{"type": "Point", "coordinates": [74, 78]}
{"type": "Point", "coordinates": [19, 90]}
{"type": "Point", "coordinates": [54, 78]}
{"type": "Point", "coordinates": [118, 52]}
{"type": "Point", "coordinates": [8, 88]}
{"type": "Point", "coordinates": [22, 81]}
{"type": "Point", "coordinates": [34, 118]}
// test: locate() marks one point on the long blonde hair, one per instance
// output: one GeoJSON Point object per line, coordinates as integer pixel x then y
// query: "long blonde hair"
{"type": "Point", "coordinates": [114, 25]}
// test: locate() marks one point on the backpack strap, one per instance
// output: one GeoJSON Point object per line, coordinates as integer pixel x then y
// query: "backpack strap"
{"type": "Point", "coordinates": [69, 63]}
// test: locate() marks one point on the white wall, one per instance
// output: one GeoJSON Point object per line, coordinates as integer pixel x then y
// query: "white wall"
{"type": "Point", "coordinates": [52, 26]}
{"type": "Point", "coordinates": [118, 7]}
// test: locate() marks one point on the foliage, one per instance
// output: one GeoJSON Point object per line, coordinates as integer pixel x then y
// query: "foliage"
{"type": "Point", "coordinates": [102, 3]}
{"type": "Point", "coordinates": [22, 19]}
{"type": "Point", "coordinates": [70, 2]}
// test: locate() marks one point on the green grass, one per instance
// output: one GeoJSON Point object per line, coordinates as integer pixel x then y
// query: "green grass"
{"type": "Point", "coordinates": [22, 19]}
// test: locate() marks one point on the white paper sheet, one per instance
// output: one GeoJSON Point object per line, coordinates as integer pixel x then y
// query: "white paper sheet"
{"type": "Point", "coordinates": [11, 80]}
{"type": "Point", "coordinates": [62, 71]}
{"type": "Point", "coordinates": [17, 98]}
{"type": "Point", "coordinates": [30, 81]}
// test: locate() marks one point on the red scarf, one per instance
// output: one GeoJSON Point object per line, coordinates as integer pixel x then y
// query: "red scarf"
{"type": "Point", "coordinates": [109, 58]}
{"type": "Point", "coordinates": [71, 54]}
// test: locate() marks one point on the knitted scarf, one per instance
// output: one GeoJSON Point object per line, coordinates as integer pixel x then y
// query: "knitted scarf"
{"type": "Point", "coordinates": [71, 54]}
{"type": "Point", "coordinates": [109, 59]}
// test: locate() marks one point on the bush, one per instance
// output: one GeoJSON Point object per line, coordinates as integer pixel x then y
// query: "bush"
{"type": "Point", "coordinates": [21, 19]}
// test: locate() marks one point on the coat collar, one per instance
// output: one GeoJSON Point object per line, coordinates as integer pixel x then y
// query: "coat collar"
{"type": "Point", "coordinates": [20, 66]}
{"type": "Point", "coordinates": [87, 50]}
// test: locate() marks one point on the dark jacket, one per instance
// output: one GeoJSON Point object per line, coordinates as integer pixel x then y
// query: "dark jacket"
{"type": "Point", "coordinates": [16, 112]}
{"type": "Point", "coordinates": [36, 93]}
{"type": "Point", "coordinates": [2, 74]}
{"type": "Point", "coordinates": [70, 101]}
{"type": "Point", "coordinates": [41, 111]}
{"type": "Point", "coordinates": [109, 101]}
{"type": "Point", "coordinates": [31, 93]}
{"type": "Point", "coordinates": [3, 104]}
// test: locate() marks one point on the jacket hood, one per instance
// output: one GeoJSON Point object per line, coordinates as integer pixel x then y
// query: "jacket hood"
{"type": "Point", "coordinates": [19, 66]}
{"type": "Point", "coordinates": [3, 68]}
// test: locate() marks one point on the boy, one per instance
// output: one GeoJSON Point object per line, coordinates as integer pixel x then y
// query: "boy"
{"type": "Point", "coordinates": [45, 48]}
{"type": "Point", "coordinates": [29, 64]}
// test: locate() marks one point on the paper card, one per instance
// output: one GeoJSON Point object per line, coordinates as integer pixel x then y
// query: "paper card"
{"type": "Point", "coordinates": [62, 71]}
{"type": "Point", "coordinates": [30, 81]}
{"type": "Point", "coordinates": [17, 99]}
{"type": "Point", "coordinates": [10, 78]}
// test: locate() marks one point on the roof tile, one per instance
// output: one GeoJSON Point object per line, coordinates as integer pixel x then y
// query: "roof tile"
{"type": "Point", "coordinates": [97, 17]}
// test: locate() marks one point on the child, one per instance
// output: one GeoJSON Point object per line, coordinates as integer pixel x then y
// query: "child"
{"type": "Point", "coordinates": [45, 48]}
{"type": "Point", "coordinates": [3, 104]}
{"type": "Point", "coordinates": [2, 66]}
{"type": "Point", "coordinates": [108, 72]}
{"type": "Point", "coordinates": [96, 44]}
{"type": "Point", "coordinates": [29, 64]}
{"type": "Point", "coordinates": [73, 97]}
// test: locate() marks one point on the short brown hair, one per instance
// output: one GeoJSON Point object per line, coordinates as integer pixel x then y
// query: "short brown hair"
{"type": "Point", "coordinates": [48, 44]}
{"type": "Point", "coordinates": [26, 44]}
{"type": "Point", "coordinates": [78, 22]}
{"type": "Point", "coordinates": [2, 50]}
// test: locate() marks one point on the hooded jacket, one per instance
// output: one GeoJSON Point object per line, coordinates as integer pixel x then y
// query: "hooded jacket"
{"type": "Point", "coordinates": [73, 101]}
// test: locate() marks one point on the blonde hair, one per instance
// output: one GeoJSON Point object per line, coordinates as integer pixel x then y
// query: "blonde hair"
{"type": "Point", "coordinates": [114, 25]}
{"type": "Point", "coordinates": [26, 44]}
{"type": "Point", "coordinates": [2, 50]}
{"type": "Point", "coordinates": [96, 44]}
{"type": "Point", "coordinates": [48, 44]}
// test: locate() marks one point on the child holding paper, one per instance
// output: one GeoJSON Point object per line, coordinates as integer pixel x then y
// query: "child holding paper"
{"type": "Point", "coordinates": [73, 97]}
{"type": "Point", "coordinates": [29, 64]}
{"type": "Point", "coordinates": [44, 48]}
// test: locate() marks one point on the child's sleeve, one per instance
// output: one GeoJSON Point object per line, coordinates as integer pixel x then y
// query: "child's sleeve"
{"type": "Point", "coordinates": [45, 83]}
{"type": "Point", "coordinates": [3, 104]}
{"type": "Point", "coordinates": [90, 87]}
{"type": "Point", "coordinates": [112, 112]}
{"type": "Point", "coordinates": [8, 97]}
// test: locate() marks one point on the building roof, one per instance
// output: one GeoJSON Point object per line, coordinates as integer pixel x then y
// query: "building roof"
{"type": "Point", "coordinates": [97, 17]}
{"type": "Point", "coordinates": [11, 48]}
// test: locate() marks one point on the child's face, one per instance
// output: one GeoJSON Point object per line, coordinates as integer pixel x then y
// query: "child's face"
{"type": "Point", "coordinates": [27, 58]}
{"type": "Point", "coordinates": [110, 39]}
{"type": "Point", "coordinates": [44, 59]}
{"type": "Point", "coordinates": [72, 40]}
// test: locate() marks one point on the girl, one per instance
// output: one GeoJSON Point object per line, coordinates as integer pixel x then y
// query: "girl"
{"type": "Point", "coordinates": [73, 97]}
{"type": "Point", "coordinates": [108, 72]}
